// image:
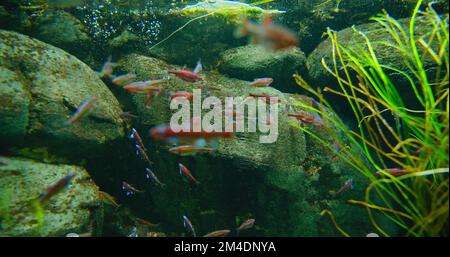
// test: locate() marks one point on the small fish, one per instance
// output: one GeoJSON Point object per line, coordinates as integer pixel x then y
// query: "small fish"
{"type": "Point", "coordinates": [164, 132]}
{"type": "Point", "coordinates": [129, 189]}
{"type": "Point", "coordinates": [184, 171]}
{"type": "Point", "coordinates": [143, 222]}
{"type": "Point", "coordinates": [142, 88]}
{"type": "Point", "coordinates": [269, 35]}
{"type": "Point", "coordinates": [108, 198]}
{"type": "Point", "coordinates": [56, 188]}
{"type": "Point", "coordinates": [182, 95]}
{"type": "Point", "coordinates": [307, 119]}
{"type": "Point", "coordinates": [133, 233]}
{"type": "Point", "coordinates": [157, 82]}
{"type": "Point", "coordinates": [189, 76]}
{"type": "Point", "coordinates": [150, 175]}
{"type": "Point", "coordinates": [269, 99]}
{"type": "Point", "coordinates": [186, 150]}
{"type": "Point", "coordinates": [107, 69]}
{"type": "Point", "coordinates": [262, 82]}
{"type": "Point", "coordinates": [3, 163]}
{"type": "Point", "coordinates": [122, 79]}
{"type": "Point", "coordinates": [128, 115]}
{"type": "Point", "coordinates": [141, 152]}
{"type": "Point", "coordinates": [135, 135]}
{"type": "Point", "coordinates": [83, 110]}
{"type": "Point", "coordinates": [396, 172]}
{"type": "Point", "coordinates": [248, 224]}
{"type": "Point", "coordinates": [188, 226]}
{"type": "Point", "coordinates": [218, 233]}
{"type": "Point", "coordinates": [347, 186]}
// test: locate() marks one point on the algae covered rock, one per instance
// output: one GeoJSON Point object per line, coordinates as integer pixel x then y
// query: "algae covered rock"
{"type": "Point", "coordinates": [379, 37]}
{"type": "Point", "coordinates": [61, 29]}
{"type": "Point", "coordinates": [253, 61]}
{"type": "Point", "coordinates": [284, 185]}
{"type": "Point", "coordinates": [23, 180]}
{"type": "Point", "coordinates": [41, 86]}
{"type": "Point", "coordinates": [310, 19]}
{"type": "Point", "coordinates": [209, 25]}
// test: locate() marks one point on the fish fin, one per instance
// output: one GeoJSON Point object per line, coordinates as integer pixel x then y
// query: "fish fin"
{"type": "Point", "coordinates": [199, 67]}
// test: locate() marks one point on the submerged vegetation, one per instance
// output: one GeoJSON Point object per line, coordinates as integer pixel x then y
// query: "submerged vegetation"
{"type": "Point", "coordinates": [406, 143]}
{"type": "Point", "coordinates": [379, 105]}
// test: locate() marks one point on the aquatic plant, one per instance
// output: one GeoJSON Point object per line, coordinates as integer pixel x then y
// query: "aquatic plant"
{"type": "Point", "coordinates": [393, 132]}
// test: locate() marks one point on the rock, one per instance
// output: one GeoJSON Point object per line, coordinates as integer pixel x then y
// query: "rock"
{"type": "Point", "coordinates": [310, 19]}
{"type": "Point", "coordinates": [22, 180]}
{"type": "Point", "coordinates": [63, 30]}
{"type": "Point", "coordinates": [40, 87]}
{"type": "Point", "coordinates": [252, 61]}
{"type": "Point", "coordinates": [13, 18]}
{"type": "Point", "coordinates": [213, 31]}
{"type": "Point", "coordinates": [386, 55]}
{"type": "Point", "coordinates": [284, 185]}
{"type": "Point", "coordinates": [125, 42]}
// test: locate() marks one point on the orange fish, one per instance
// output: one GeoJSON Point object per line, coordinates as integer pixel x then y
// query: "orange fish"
{"type": "Point", "coordinates": [189, 76]}
{"type": "Point", "coordinates": [308, 119]}
{"type": "Point", "coordinates": [164, 132]}
{"type": "Point", "coordinates": [107, 69]}
{"type": "Point", "coordinates": [186, 150]}
{"type": "Point", "coordinates": [83, 110]}
{"type": "Point", "coordinates": [262, 82]}
{"type": "Point", "coordinates": [269, 35]}
{"type": "Point", "coordinates": [56, 188]}
{"type": "Point", "coordinates": [143, 222]}
{"type": "Point", "coordinates": [182, 94]}
{"type": "Point", "coordinates": [184, 171]}
{"type": "Point", "coordinates": [122, 79]}
{"type": "Point", "coordinates": [396, 172]}
{"type": "Point", "coordinates": [218, 233]}
{"type": "Point", "coordinates": [142, 87]}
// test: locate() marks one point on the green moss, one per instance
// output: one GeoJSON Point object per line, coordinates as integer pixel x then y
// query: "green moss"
{"type": "Point", "coordinates": [39, 153]}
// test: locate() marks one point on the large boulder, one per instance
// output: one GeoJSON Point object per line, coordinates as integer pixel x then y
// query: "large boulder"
{"type": "Point", "coordinates": [253, 61]}
{"type": "Point", "coordinates": [63, 30]}
{"type": "Point", "coordinates": [23, 180]}
{"type": "Point", "coordinates": [387, 55]}
{"type": "Point", "coordinates": [284, 185]}
{"type": "Point", "coordinates": [203, 31]}
{"type": "Point", "coordinates": [40, 87]}
{"type": "Point", "coordinates": [310, 19]}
